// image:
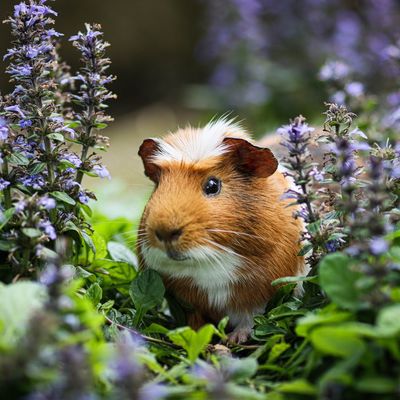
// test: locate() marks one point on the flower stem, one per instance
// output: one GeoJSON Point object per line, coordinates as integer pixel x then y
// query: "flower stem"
{"type": "Point", "coordinates": [79, 175]}
{"type": "Point", "coordinates": [7, 190]}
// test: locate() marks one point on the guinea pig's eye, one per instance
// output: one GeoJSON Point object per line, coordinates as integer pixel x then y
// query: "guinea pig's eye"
{"type": "Point", "coordinates": [212, 186]}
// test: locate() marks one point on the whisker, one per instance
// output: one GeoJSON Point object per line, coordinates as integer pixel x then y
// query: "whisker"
{"type": "Point", "coordinates": [234, 232]}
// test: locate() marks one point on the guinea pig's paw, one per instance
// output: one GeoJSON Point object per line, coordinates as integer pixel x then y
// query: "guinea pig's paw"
{"type": "Point", "coordinates": [239, 335]}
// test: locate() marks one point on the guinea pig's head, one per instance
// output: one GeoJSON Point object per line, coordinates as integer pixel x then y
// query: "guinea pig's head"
{"type": "Point", "coordinates": [207, 182]}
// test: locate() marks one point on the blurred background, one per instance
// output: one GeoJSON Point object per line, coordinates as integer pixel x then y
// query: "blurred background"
{"type": "Point", "coordinates": [185, 61]}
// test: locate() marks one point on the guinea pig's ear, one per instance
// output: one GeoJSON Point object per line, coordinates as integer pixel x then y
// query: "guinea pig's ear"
{"type": "Point", "coordinates": [147, 151]}
{"type": "Point", "coordinates": [251, 160]}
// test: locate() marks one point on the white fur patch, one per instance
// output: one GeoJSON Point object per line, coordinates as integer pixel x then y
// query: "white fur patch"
{"type": "Point", "coordinates": [198, 144]}
{"type": "Point", "coordinates": [211, 270]}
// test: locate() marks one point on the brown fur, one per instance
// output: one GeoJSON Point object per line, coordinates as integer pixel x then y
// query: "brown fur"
{"type": "Point", "coordinates": [247, 204]}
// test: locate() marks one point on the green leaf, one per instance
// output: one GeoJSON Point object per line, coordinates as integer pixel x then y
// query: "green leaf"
{"type": "Point", "coordinates": [147, 290]}
{"type": "Point", "coordinates": [100, 125]}
{"type": "Point", "coordinates": [340, 282]}
{"type": "Point", "coordinates": [388, 321]}
{"type": "Point", "coordinates": [294, 279]}
{"type": "Point", "coordinates": [193, 342]}
{"type": "Point", "coordinates": [107, 306]}
{"type": "Point", "coordinates": [18, 302]}
{"type": "Point", "coordinates": [94, 293]}
{"type": "Point", "coordinates": [100, 245]}
{"type": "Point", "coordinates": [276, 351]}
{"type": "Point", "coordinates": [56, 136]}
{"type": "Point", "coordinates": [119, 252]}
{"type": "Point", "coordinates": [337, 341]}
{"type": "Point", "coordinates": [376, 384]}
{"type": "Point", "coordinates": [86, 209]}
{"type": "Point", "coordinates": [32, 232]}
{"type": "Point", "coordinates": [18, 159]}
{"type": "Point", "coordinates": [305, 249]}
{"type": "Point", "coordinates": [156, 328]}
{"type": "Point", "coordinates": [312, 320]}
{"type": "Point", "coordinates": [89, 242]}
{"type": "Point", "coordinates": [240, 368]}
{"type": "Point", "coordinates": [63, 197]}
{"type": "Point", "coordinates": [114, 273]}
{"type": "Point", "coordinates": [298, 386]}
{"type": "Point", "coordinates": [314, 227]}
{"type": "Point", "coordinates": [37, 168]}
{"type": "Point", "coordinates": [6, 245]}
{"type": "Point", "coordinates": [6, 216]}
{"type": "Point", "coordinates": [73, 124]}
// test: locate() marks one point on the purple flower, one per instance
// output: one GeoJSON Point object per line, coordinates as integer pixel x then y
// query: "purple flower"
{"type": "Point", "coordinates": [83, 198]}
{"type": "Point", "coordinates": [153, 391]}
{"type": "Point", "coordinates": [72, 158]}
{"type": "Point", "coordinates": [52, 33]}
{"type": "Point", "coordinates": [15, 109]}
{"type": "Point", "coordinates": [358, 132]}
{"type": "Point", "coordinates": [3, 129]}
{"type": "Point", "coordinates": [4, 184]}
{"type": "Point", "coordinates": [69, 184]}
{"type": "Point", "coordinates": [334, 70]}
{"type": "Point", "coordinates": [378, 246]}
{"type": "Point", "coordinates": [355, 89]}
{"type": "Point", "coordinates": [47, 202]}
{"type": "Point", "coordinates": [20, 206]}
{"type": "Point", "coordinates": [25, 123]}
{"type": "Point", "coordinates": [316, 174]}
{"type": "Point", "coordinates": [339, 97]}
{"type": "Point", "coordinates": [67, 129]}
{"type": "Point", "coordinates": [101, 171]}
{"type": "Point", "coordinates": [50, 275]}
{"type": "Point", "coordinates": [393, 99]}
{"type": "Point", "coordinates": [33, 52]}
{"type": "Point", "coordinates": [35, 181]}
{"type": "Point", "coordinates": [48, 229]}
{"type": "Point", "coordinates": [296, 132]}
{"type": "Point", "coordinates": [22, 70]}
{"type": "Point", "coordinates": [23, 146]}
{"type": "Point", "coordinates": [332, 246]}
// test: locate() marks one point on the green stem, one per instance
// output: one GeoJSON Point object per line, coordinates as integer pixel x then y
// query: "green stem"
{"type": "Point", "coordinates": [88, 133]}
{"type": "Point", "coordinates": [50, 170]}
{"type": "Point", "coordinates": [138, 316]}
{"type": "Point", "coordinates": [79, 175]}
{"type": "Point", "coordinates": [7, 190]}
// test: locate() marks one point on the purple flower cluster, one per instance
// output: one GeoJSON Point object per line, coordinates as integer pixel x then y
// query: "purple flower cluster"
{"type": "Point", "coordinates": [41, 178]}
{"type": "Point", "coordinates": [296, 137]}
{"type": "Point", "coordinates": [92, 95]}
{"type": "Point", "coordinates": [254, 43]}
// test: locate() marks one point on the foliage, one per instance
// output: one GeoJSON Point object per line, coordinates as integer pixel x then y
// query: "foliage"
{"type": "Point", "coordinates": [90, 324]}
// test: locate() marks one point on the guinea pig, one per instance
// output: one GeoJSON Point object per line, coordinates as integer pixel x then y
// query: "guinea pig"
{"type": "Point", "coordinates": [216, 227]}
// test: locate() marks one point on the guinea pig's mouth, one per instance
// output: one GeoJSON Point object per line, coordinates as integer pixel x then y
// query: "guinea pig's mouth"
{"type": "Point", "coordinates": [175, 255]}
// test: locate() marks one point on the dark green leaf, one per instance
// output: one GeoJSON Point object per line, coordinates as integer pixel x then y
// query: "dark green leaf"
{"type": "Point", "coordinates": [119, 252]}
{"type": "Point", "coordinates": [337, 341]}
{"type": "Point", "coordinates": [37, 168]}
{"type": "Point", "coordinates": [18, 159]}
{"type": "Point", "coordinates": [339, 281]}
{"type": "Point", "coordinates": [6, 216]}
{"type": "Point", "coordinates": [56, 136]}
{"type": "Point", "coordinates": [32, 232]}
{"type": "Point", "coordinates": [94, 293]}
{"type": "Point", "coordinates": [63, 197]}
{"type": "Point", "coordinates": [147, 290]}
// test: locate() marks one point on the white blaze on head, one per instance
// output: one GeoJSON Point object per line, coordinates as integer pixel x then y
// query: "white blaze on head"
{"type": "Point", "coordinates": [195, 144]}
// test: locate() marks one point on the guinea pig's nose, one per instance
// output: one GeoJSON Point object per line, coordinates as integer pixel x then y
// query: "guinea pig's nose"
{"type": "Point", "coordinates": [168, 235]}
